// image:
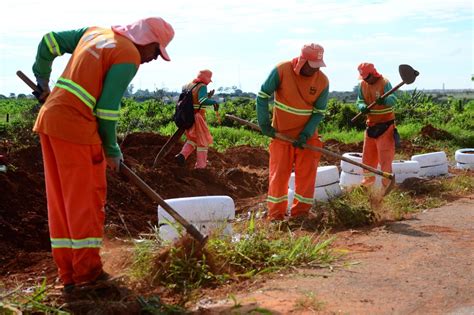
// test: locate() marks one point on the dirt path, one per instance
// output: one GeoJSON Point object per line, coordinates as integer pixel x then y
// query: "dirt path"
{"type": "Point", "coordinates": [420, 266]}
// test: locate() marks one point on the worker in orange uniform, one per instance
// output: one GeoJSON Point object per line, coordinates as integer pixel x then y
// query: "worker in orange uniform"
{"type": "Point", "coordinates": [198, 136]}
{"type": "Point", "coordinates": [301, 95]}
{"type": "Point", "coordinates": [380, 135]}
{"type": "Point", "coordinates": [77, 129]}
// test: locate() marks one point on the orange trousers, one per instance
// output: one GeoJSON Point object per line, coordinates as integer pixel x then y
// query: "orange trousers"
{"type": "Point", "coordinates": [283, 157]}
{"type": "Point", "coordinates": [378, 151]}
{"type": "Point", "coordinates": [76, 190]}
{"type": "Point", "coordinates": [198, 138]}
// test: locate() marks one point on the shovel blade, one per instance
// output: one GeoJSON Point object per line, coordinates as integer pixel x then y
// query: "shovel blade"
{"type": "Point", "coordinates": [407, 73]}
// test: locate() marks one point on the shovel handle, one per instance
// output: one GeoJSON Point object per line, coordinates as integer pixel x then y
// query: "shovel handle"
{"type": "Point", "coordinates": [132, 176]}
{"type": "Point", "coordinates": [166, 148]}
{"type": "Point", "coordinates": [28, 82]}
{"type": "Point", "coordinates": [375, 102]}
{"type": "Point", "coordinates": [314, 148]}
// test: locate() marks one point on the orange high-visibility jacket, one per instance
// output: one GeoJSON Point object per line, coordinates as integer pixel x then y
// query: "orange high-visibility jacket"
{"type": "Point", "coordinates": [70, 110]}
{"type": "Point", "coordinates": [370, 92]}
{"type": "Point", "coordinates": [296, 98]}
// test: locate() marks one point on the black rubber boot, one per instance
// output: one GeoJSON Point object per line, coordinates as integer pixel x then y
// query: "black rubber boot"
{"type": "Point", "coordinates": [180, 159]}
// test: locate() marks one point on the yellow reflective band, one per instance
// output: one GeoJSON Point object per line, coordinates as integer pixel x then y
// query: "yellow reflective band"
{"type": "Point", "coordinates": [201, 149]}
{"type": "Point", "coordinates": [291, 110]}
{"type": "Point", "coordinates": [61, 243]}
{"type": "Point", "coordinates": [381, 111]}
{"type": "Point", "coordinates": [52, 44]}
{"type": "Point", "coordinates": [107, 114]}
{"type": "Point", "coordinates": [77, 90]}
{"type": "Point", "coordinates": [200, 106]}
{"type": "Point", "coordinates": [368, 174]}
{"type": "Point", "coordinates": [263, 94]}
{"type": "Point", "coordinates": [191, 143]}
{"type": "Point", "coordinates": [202, 99]}
{"type": "Point", "coordinates": [303, 199]}
{"type": "Point", "coordinates": [90, 242]}
{"type": "Point", "coordinates": [319, 111]}
{"type": "Point", "coordinates": [277, 199]}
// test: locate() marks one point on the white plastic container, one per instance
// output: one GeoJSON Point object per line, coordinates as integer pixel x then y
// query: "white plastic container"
{"type": "Point", "coordinates": [351, 168]}
{"type": "Point", "coordinates": [403, 169]}
{"type": "Point", "coordinates": [325, 175]}
{"type": "Point", "coordinates": [464, 159]}
{"type": "Point", "coordinates": [432, 164]}
{"type": "Point", "coordinates": [349, 180]}
{"type": "Point", "coordinates": [326, 185]}
{"type": "Point", "coordinates": [325, 193]}
{"type": "Point", "coordinates": [206, 213]}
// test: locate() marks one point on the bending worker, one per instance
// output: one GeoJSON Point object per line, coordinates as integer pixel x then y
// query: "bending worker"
{"type": "Point", "coordinates": [77, 129]}
{"type": "Point", "coordinates": [379, 138]}
{"type": "Point", "coordinates": [198, 136]}
{"type": "Point", "coordinates": [301, 94]}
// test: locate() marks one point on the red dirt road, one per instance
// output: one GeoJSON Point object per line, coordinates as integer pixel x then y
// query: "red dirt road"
{"type": "Point", "coordinates": [424, 265]}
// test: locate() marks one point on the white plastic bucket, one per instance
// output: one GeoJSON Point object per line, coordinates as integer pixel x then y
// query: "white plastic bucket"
{"type": "Point", "coordinates": [205, 213]}
{"type": "Point", "coordinates": [325, 175]}
{"type": "Point", "coordinates": [403, 169]}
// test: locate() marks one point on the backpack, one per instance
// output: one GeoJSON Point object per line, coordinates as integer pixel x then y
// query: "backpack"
{"type": "Point", "coordinates": [184, 113]}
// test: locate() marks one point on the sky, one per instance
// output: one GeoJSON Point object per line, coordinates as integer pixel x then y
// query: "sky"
{"type": "Point", "coordinates": [242, 41]}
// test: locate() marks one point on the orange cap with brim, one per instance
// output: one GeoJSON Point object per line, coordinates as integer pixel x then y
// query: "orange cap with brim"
{"type": "Point", "coordinates": [365, 69]}
{"type": "Point", "coordinates": [204, 76]}
{"type": "Point", "coordinates": [313, 53]}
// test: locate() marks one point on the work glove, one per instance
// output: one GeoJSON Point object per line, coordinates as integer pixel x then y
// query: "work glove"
{"type": "Point", "coordinates": [216, 107]}
{"type": "Point", "coordinates": [43, 86]}
{"type": "Point", "coordinates": [268, 131]}
{"type": "Point", "coordinates": [363, 108]}
{"type": "Point", "coordinates": [114, 162]}
{"type": "Point", "coordinates": [380, 101]}
{"type": "Point", "coordinates": [302, 138]}
{"type": "Point", "coordinates": [210, 93]}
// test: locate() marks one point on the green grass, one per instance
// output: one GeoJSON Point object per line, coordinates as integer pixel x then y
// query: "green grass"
{"type": "Point", "coordinates": [30, 301]}
{"type": "Point", "coordinates": [344, 136]}
{"type": "Point", "coordinates": [354, 209]}
{"type": "Point", "coordinates": [226, 137]}
{"type": "Point", "coordinates": [258, 248]}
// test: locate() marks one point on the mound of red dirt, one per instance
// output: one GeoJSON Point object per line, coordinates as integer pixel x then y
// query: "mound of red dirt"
{"type": "Point", "coordinates": [431, 132]}
{"type": "Point", "coordinates": [240, 172]}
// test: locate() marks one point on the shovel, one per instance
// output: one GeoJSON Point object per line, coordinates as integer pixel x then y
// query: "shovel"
{"type": "Point", "coordinates": [132, 176]}
{"type": "Point", "coordinates": [323, 151]}
{"type": "Point", "coordinates": [408, 75]}
{"type": "Point", "coordinates": [166, 148]}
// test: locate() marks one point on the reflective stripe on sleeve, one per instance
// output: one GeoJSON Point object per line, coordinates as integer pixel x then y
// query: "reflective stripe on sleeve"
{"type": "Point", "coordinates": [263, 94]}
{"type": "Point", "coordinates": [107, 114]}
{"type": "Point", "coordinates": [52, 44]}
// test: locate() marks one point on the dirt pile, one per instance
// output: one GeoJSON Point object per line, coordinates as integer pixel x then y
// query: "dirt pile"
{"type": "Point", "coordinates": [431, 132]}
{"type": "Point", "coordinates": [240, 173]}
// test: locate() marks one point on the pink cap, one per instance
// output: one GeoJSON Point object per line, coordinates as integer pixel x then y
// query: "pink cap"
{"type": "Point", "coordinates": [147, 31]}
{"type": "Point", "coordinates": [204, 76]}
{"type": "Point", "coordinates": [367, 68]}
{"type": "Point", "coordinates": [313, 53]}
